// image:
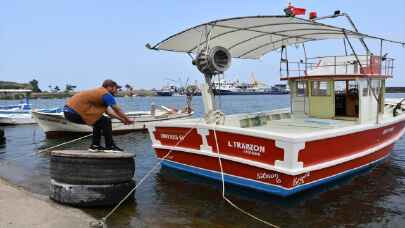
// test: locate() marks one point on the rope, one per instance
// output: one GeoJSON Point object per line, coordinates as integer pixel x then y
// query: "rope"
{"type": "Point", "coordinates": [223, 188]}
{"type": "Point", "coordinates": [44, 150]}
{"type": "Point", "coordinates": [102, 221]}
{"type": "Point", "coordinates": [65, 143]}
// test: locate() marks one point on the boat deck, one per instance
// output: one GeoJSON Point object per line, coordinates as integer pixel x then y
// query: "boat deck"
{"type": "Point", "coordinates": [283, 123]}
{"type": "Point", "coordinates": [302, 125]}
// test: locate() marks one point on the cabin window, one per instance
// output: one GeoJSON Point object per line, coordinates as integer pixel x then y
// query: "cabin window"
{"type": "Point", "coordinates": [364, 88]}
{"type": "Point", "coordinates": [319, 88]}
{"type": "Point", "coordinates": [376, 86]}
{"type": "Point", "coordinates": [340, 87]}
{"type": "Point", "coordinates": [365, 91]}
{"type": "Point", "coordinates": [353, 88]}
{"type": "Point", "coordinates": [301, 88]}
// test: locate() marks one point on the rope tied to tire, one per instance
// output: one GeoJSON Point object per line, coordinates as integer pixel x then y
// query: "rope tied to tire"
{"type": "Point", "coordinates": [101, 223]}
{"type": "Point", "coordinates": [64, 143]}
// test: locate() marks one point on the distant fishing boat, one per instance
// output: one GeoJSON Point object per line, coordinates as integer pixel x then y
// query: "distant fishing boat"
{"type": "Point", "coordinates": [16, 114]}
{"type": "Point", "coordinates": [254, 87]}
{"type": "Point", "coordinates": [338, 122]}
{"type": "Point", "coordinates": [166, 91]}
{"type": "Point", "coordinates": [54, 124]}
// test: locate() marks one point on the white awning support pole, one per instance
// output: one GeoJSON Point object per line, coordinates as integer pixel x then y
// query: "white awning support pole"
{"type": "Point", "coordinates": [356, 30]}
{"type": "Point", "coordinates": [208, 95]}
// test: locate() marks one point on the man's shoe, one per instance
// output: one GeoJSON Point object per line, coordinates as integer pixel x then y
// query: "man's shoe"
{"type": "Point", "coordinates": [113, 148]}
{"type": "Point", "coordinates": [96, 148]}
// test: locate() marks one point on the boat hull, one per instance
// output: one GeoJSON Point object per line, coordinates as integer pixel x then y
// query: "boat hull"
{"type": "Point", "coordinates": [261, 179]}
{"type": "Point", "coordinates": [317, 162]}
{"type": "Point", "coordinates": [20, 120]}
{"type": "Point", "coordinates": [55, 125]}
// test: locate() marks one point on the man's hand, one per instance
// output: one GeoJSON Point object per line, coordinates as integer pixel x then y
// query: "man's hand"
{"type": "Point", "coordinates": [129, 121]}
{"type": "Point", "coordinates": [116, 112]}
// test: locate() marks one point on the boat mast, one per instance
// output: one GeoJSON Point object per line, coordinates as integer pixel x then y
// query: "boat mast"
{"type": "Point", "coordinates": [207, 88]}
{"type": "Point", "coordinates": [211, 61]}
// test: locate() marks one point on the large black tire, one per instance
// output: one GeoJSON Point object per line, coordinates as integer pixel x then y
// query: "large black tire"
{"type": "Point", "coordinates": [90, 195]}
{"type": "Point", "coordinates": [92, 170]}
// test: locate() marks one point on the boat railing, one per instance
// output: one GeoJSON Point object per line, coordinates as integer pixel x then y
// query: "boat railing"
{"type": "Point", "coordinates": [364, 65]}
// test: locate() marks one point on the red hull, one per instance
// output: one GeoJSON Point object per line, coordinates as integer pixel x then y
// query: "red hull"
{"type": "Point", "coordinates": [321, 159]}
{"type": "Point", "coordinates": [266, 176]}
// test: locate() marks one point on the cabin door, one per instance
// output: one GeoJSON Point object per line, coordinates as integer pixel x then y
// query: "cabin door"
{"type": "Point", "coordinates": [346, 98]}
{"type": "Point", "coordinates": [299, 98]}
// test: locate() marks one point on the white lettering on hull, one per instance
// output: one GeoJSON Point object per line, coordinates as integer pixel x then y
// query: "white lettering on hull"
{"type": "Point", "coordinates": [172, 137]}
{"type": "Point", "coordinates": [251, 149]}
{"type": "Point", "coordinates": [300, 180]}
{"type": "Point", "coordinates": [269, 176]}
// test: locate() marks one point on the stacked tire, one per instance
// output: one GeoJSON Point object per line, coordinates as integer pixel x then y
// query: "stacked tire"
{"type": "Point", "coordinates": [88, 179]}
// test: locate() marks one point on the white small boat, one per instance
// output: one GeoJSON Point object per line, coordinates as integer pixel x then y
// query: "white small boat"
{"type": "Point", "coordinates": [16, 119]}
{"type": "Point", "coordinates": [16, 114]}
{"type": "Point", "coordinates": [54, 124]}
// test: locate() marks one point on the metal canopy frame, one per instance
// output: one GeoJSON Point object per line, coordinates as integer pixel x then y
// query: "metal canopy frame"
{"type": "Point", "coordinates": [281, 36]}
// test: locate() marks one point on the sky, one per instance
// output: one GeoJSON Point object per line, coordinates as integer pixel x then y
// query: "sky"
{"type": "Point", "coordinates": [83, 42]}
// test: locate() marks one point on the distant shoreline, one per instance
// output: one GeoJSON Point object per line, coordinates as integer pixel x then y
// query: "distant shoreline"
{"type": "Point", "coordinates": [62, 95]}
{"type": "Point", "coordinates": [395, 89]}
{"type": "Point", "coordinates": [140, 93]}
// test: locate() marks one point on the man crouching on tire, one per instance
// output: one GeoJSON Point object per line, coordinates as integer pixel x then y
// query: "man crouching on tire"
{"type": "Point", "coordinates": [88, 107]}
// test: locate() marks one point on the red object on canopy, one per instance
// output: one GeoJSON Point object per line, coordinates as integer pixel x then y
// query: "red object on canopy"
{"type": "Point", "coordinates": [313, 15]}
{"type": "Point", "coordinates": [296, 11]}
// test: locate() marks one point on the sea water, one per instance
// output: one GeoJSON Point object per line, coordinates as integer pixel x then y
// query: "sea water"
{"type": "Point", "coordinates": [170, 198]}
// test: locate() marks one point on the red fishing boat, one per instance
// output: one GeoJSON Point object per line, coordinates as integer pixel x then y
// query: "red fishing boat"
{"type": "Point", "coordinates": [338, 122]}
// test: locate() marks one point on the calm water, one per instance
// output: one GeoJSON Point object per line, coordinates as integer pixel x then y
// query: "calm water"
{"type": "Point", "coordinates": [375, 198]}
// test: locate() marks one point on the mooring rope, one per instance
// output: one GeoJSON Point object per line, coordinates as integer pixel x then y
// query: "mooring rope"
{"type": "Point", "coordinates": [64, 143]}
{"type": "Point", "coordinates": [223, 187]}
{"type": "Point", "coordinates": [44, 150]}
{"type": "Point", "coordinates": [102, 222]}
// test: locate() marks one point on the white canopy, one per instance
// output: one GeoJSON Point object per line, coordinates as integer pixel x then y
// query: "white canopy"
{"type": "Point", "coordinates": [253, 37]}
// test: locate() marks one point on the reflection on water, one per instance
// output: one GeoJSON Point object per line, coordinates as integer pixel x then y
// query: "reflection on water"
{"type": "Point", "coordinates": [170, 198]}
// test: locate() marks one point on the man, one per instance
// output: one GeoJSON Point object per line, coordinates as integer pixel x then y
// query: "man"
{"type": "Point", "coordinates": [88, 107]}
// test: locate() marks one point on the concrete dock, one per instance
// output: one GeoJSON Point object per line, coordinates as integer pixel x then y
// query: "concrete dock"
{"type": "Point", "coordinates": [19, 209]}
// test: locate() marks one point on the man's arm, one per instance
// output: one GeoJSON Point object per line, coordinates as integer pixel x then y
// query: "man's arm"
{"type": "Point", "coordinates": [112, 114]}
{"type": "Point", "coordinates": [116, 112]}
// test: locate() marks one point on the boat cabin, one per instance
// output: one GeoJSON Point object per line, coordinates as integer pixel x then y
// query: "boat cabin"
{"type": "Point", "coordinates": [338, 87]}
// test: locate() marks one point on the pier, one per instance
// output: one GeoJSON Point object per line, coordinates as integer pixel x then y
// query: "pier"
{"type": "Point", "coordinates": [20, 209]}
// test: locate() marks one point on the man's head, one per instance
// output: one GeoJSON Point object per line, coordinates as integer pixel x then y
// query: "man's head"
{"type": "Point", "coordinates": [111, 86]}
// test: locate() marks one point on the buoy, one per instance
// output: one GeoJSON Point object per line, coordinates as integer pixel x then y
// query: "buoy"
{"type": "Point", "coordinates": [87, 179]}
